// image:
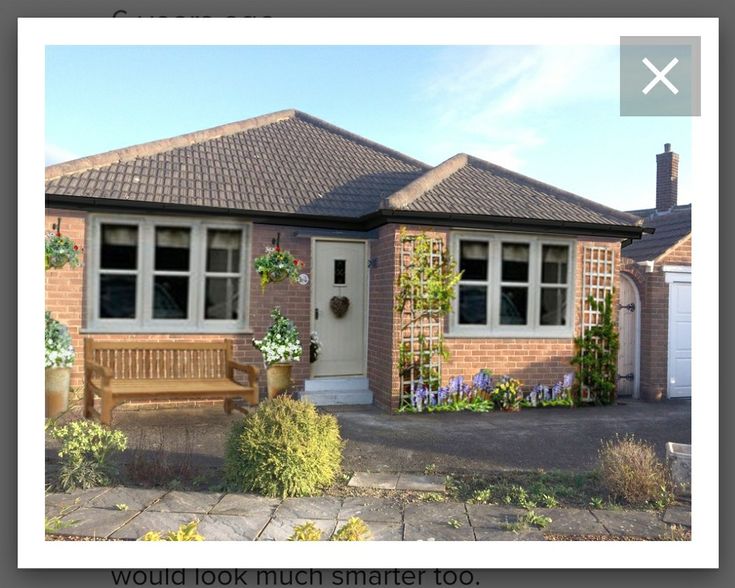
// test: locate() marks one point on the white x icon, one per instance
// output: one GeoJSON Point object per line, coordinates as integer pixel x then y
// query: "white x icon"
{"type": "Point", "coordinates": [660, 76]}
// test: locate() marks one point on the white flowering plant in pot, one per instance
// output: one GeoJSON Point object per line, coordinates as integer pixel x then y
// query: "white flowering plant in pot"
{"type": "Point", "coordinates": [59, 350]}
{"type": "Point", "coordinates": [281, 343]}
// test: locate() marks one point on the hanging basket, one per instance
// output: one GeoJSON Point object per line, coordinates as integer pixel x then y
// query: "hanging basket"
{"type": "Point", "coordinates": [339, 305]}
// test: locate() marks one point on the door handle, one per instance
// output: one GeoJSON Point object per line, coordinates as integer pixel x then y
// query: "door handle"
{"type": "Point", "coordinates": [316, 314]}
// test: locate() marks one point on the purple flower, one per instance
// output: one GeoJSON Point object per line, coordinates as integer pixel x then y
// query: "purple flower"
{"type": "Point", "coordinates": [482, 382]}
{"type": "Point", "coordinates": [443, 394]}
{"type": "Point", "coordinates": [455, 385]}
{"type": "Point", "coordinates": [556, 390]}
{"type": "Point", "coordinates": [568, 380]}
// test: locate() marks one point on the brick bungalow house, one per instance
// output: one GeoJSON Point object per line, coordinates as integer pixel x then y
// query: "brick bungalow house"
{"type": "Point", "coordinates": [656, 277]}
{"type": "Point", "coordinates": [530, 252]}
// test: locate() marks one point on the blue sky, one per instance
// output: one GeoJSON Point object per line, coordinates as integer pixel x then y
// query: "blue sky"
{"type": "Point", "coordinates": [548, 112]}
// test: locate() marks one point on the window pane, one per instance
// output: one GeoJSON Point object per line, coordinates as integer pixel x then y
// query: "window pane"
{"type": "Point", "coordinates": [172, 248]}
{"type": "Point", "coordinates": [340, 271]}
{"type": "Point", "coordinates": [553, 306]}
{"type": "Point", "coordinates": [513, 306]}
{"type": "Point", "coordinates": [554, 262]}
{"type": "Point", "coordinates": [170, 297]}
{"type": "Point", "coordinates": [117, 296]}
{"type": "Point", "coordinates": [473, 260]}
{"type": "Point", "coordinates": [221, 298]}
{"type": "Point", "coordinates": [223, 250]}
{"type": "Point", "coordinates": [515, 262]}
{"type": "Point", "coordinates": [473, 305]}
{"type": "Point", "coordinates": [119, 249]}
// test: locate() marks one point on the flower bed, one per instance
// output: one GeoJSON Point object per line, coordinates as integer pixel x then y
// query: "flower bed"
{"type": "Point", "coordinates": [485, 394]}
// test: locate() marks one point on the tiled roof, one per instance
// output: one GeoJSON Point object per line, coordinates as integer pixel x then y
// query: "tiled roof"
{"type": "Point", "coordinates": [465, 185]}
{"type": "Point", "coordinates": [671, 227]}
{"type": "Point", "coordinates": [287, 162]}
{"type": "Point", "coordinates": [291, 163]}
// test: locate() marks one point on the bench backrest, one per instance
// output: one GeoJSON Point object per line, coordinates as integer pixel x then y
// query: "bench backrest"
{"type": "Point", "coordinates": [161, 359]}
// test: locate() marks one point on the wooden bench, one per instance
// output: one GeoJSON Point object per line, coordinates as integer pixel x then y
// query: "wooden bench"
{"type": "Point", "coordinates": [124, 371]}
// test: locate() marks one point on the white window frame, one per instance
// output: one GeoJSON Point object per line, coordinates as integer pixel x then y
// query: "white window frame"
{"type": "Point", "coordinates": [493, 328]}
{"type": "Point", "coordinates": [144, 321]}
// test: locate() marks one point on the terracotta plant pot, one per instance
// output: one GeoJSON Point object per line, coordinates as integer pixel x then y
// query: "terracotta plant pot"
{"type": "Point", "coordinates": [278, 377]}
{"type": "Point", "coordinates": [58, 381]}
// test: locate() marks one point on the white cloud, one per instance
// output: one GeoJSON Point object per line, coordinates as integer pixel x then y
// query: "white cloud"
{"type": "Point", "coordinates": [502, 98]}
{"type": "Point", "coordinates": [56, 154]}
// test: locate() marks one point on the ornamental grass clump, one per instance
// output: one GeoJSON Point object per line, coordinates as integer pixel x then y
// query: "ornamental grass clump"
{"type": "Point", "coordinates": [59, 350]}
{"type": "Point", "coordinates": [285, 448]}
{"type": "Point", "coordinates": [631, 471]}
{"type": "Point", "coordinates": [85, 452]}
{"type": "Point", "coordinates": [281, 343]}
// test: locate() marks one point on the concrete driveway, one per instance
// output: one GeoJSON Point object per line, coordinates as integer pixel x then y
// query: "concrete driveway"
{"type": "Point", "coordinates": [550, 438]}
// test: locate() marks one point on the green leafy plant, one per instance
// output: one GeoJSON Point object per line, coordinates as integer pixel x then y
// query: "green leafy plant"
{"type": "Point", "coordinates": [430, 469]}
{"type": "Point", "coordinates": [61, 251]}
{"type": "Point", "coordinates": [276, 264]}
{"type": "Point", "coordinates": [281, 341]}
{"type": "Point", "coordinates": [121, 506]}
{"type": "Point", "coordinates": [354, 529]}
{"type": "Point", "coordinates": [596, 354]}
{"type": "Point", "coordinates": [185, 532]}
{"type": "Point", "coordinates": [549, 501]}
{"type": "Point", "coordinates": [85, 451]}
{"type": "Point", "coordinates": [56, 523]}
{"type": "Point", "coordinates": [285, 448]}
{"type": "Point", "coordinates": [454, 523]}
{"type": "Point", "coordinates": [537, 520]}
{"type": "Point", "coordinates": [597, 503]}
{"type": "Point", "coordinates": [631, 470]}
{"type": "Point", "coordinates": [306, 532]}
{"type": "Point", "coordinates": [59, 350]}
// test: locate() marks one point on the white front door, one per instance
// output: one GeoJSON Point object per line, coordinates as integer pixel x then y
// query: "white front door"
{"type": "Point", "coordinates": [680, 339]}
{"type": "Point", "coordinates": [339, 273]}
{"type": "Point", "coordinates": [628, 326]}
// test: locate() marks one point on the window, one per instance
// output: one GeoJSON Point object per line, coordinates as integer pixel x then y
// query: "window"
{"type": "Point", "coordinates": [513, 285]}
{"type": "Point", "coordinates": [165, 274]}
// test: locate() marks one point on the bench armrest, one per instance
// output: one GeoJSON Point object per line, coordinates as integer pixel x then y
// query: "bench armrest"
{"type": "Point", "coordinates": [251, 370]}
{"type": "Point", "coordinates": [92, 368]}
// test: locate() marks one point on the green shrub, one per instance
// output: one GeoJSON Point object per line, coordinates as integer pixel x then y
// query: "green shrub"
{"type": "Point", "coordinates": [507, 394]}
{"type": "Point", "coordinates": [185, 532]}
{"type": "Point", "coordinates": [306, 532]}
{"type": "Point", "coordinates": [285, 448]}
{"type": "Point", "coordinates": [85, 450]}
{"type": "Point", "coordinates": [354, 529]}
{"type": "Point", "coordinates": [631, 471]}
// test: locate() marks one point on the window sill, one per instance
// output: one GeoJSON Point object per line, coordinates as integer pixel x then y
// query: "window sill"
{"type": "Point", "coordinates": [135, 330]}
{"type": "Point", "coordinates": [554, 334]}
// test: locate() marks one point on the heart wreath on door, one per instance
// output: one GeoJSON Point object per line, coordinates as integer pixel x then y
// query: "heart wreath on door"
{"type": "Point", "coordinates": [339, 305]}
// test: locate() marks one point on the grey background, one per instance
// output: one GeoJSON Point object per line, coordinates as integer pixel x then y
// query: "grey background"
{"type": "Point", "coordinates": [11, 9]}
{"type": "Point", "coordinates": [660, 100]}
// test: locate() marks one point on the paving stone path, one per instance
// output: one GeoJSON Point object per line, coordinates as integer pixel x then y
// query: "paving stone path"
{"type": "Point", "coordinates": [128, 513]}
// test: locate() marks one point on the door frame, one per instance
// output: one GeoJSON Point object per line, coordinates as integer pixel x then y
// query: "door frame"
{"type": "Point", "coordinates": [674, 274]}
{"type": "Point", "coordinates": [637, 350]}
{"type": "Point", "coordinates": [366, 296]}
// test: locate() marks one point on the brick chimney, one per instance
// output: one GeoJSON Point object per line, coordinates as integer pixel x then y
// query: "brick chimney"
{"type": "Point", "coordinates": [667, 179]}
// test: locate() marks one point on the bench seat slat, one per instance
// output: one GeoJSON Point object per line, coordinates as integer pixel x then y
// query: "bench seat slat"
{"type": "Point", "coordinates": [196, 386]}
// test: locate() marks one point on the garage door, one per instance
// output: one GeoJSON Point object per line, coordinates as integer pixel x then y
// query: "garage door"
{"type": "Point", "coordinates": [680, 339]}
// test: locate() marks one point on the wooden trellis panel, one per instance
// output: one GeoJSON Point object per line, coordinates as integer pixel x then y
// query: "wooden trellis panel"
{"type": "Point", "coordinates": [598, 278]}
{"type": "Point", "coordinates": [421, 330]}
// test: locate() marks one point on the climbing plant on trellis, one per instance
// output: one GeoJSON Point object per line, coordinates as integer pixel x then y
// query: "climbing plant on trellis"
{"type": "Point", "coordinates": [597, 346]}
{"type": "Point", "coordinates": [426, 288]}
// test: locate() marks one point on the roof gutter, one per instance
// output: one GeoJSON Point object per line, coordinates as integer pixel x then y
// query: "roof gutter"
{"type": "Point", "coordinates": [364, 223]}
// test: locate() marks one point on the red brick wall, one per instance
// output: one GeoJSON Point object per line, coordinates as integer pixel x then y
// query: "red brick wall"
{"type": "Point", "coordinates": [381, 333]}
{"type": "Point", "coordinates": [532, 360]}
{"type": "Point", "coordinates": [65, 299]}
{"type": "Point", "coordinates": [654, 336]}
